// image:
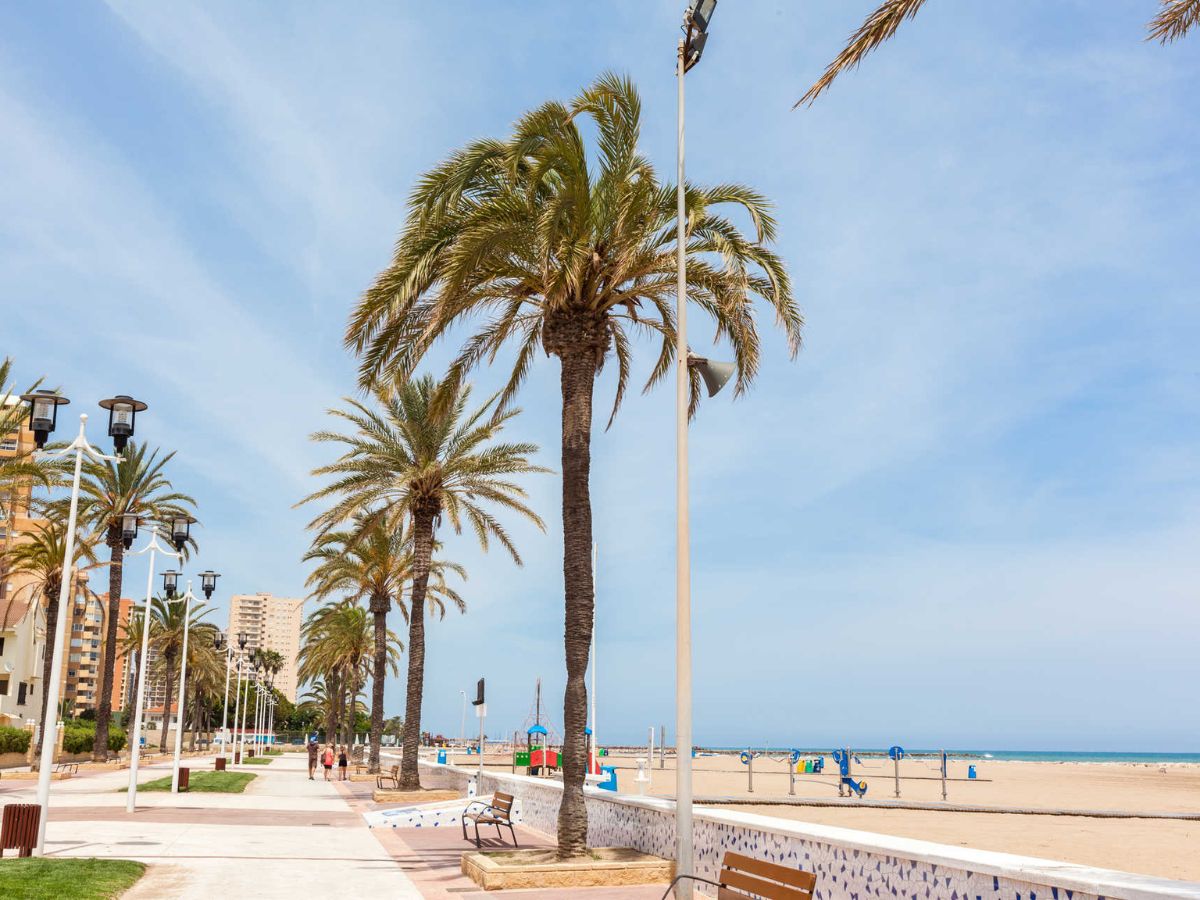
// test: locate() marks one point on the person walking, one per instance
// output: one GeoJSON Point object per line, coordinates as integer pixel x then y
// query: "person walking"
{"type": "Point", "coordinates": [343, 764]}
{"type": "Point", "coordinates": [327, 761]}
{"type": "Point", "coordinates": [313, 750]}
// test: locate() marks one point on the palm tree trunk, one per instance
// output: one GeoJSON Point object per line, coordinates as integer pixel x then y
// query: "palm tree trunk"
{"type": "Point", "coordinates": [195, 719]}
{"type": "Point", "coordinates": [170, 690]}
{"type": "Point", "coordinates": [410, 775]}
{"type": "Point", "coordinates": [577, 379]}
{"type": "Point", "coordinates": [50, 592]}
{"type": "Point", "coordinates": [333, 686]}
{"type": "Point", "coordinates": [104, 708]}
{"type": "Point", "coordinates": [379, 607]}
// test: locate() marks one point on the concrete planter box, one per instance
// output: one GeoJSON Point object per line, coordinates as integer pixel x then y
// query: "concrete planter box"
{"type": "Point", "coordinates": [496, 870]}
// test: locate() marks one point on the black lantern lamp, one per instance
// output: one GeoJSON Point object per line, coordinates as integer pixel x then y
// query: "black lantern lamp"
{"type": "Point", "coordinates": [219, 641]}
{"type": "Point", "coordinates": [170, 583]}
{"type": "Point", "coordinates": [43, 413]}
{"type": "Point", "coordinates": [698, 16]}
{"type": "Point", "coordinates": [129, 528]}
{"type": "Point", "coordinates": [181, 527]}
{"type": "Point", "coordinates": [122, 411]}
{"type": "Point", "coordinates": [242, 638]}
{"type": "Point", "coordinates": [208, 583]}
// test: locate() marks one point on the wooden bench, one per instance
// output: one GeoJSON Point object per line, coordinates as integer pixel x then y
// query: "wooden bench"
{"type": "Point", "coordinates": [744, 876]}
{"type": "Point", "coordinates": [393, 775]}
{"type": "Point", "coordinates": [498, 813]}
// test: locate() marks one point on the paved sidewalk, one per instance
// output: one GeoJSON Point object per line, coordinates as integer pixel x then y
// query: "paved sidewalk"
{"type": "Point", "coordinates": [284, 837]}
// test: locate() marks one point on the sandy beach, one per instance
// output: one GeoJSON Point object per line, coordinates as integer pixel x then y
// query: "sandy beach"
{"type": "Point", "coordinates": [1151, 846]}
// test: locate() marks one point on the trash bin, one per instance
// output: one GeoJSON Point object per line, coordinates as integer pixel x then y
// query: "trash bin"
{"type": "Point", "coordinates": [220, 764]}
{"type": "Point", "coordinates": [20, 828]}
{"type": "Point", "coordinates": [184, 777]}
{"type": "Point", "coordinates": [237, 757]}
{"type": "Point", "coordinates": [610, 778]}
{"type": "Point", "coordinates": [442, 756]}
{"type": "Point", "coordinates": [971, 772]}
{"type": "Point", "coordinates": [250, 754]}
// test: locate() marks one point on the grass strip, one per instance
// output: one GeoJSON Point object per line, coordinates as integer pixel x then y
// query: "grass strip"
{"type": "Point", "coordinates": [203, 783]}
{"type": "Point", "coordinates": [42, 878]}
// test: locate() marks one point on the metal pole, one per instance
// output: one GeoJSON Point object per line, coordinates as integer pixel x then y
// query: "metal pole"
{"type": "Point", "coordinates": [50, 729]}
{"type": "Point", "coordinates": [482, 714]}
{"type": "Point", "coordinates": [225, 708]}
{"type": "Point", "coordinates": [750, 774]}
{"type": "Point", "coordinates": [592, 656]}
{"type": "Point", "coordinates": [187, 628]}
{"type": "Point", "coordinates": [237, 705]}
{"type": "Point", "coordinates": [791, 777]}
{"type": "Point", "coordinates": [241, 753]}
{"type": "Point", "coordinates": [896, 763]}
{"type": "Point", "coordinates": [131, 794]}
{"type": "Point", "coordinates": [683, 603]}
{"type": "Point", "coordinates": [943, 774]}
{"type": "Point", "coordinates": [650, 750]}
{"type": "Point", "coordinates": [662, 747]}
{"type": "Point", "coordinates": [462, 728]}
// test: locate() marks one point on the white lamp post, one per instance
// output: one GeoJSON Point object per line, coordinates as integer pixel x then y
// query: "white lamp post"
{"type": "Point", "coordinates": [187, 599]}
{"type": "Point", "coordinates": [221, 645]}
{"type": "Point", "coordinates": [237, 703]}
{"type": "Point", "coordinates": [135, 756]}
{"type": "Point", "coordinates": [43, 417]}
{"type": "Point", "coordinates": [691, 46]}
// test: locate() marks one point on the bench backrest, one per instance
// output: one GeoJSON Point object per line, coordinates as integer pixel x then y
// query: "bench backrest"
{"type": "Point", "coordinates": [502, 803]}
{"type": "Point", "coordinates": [745, 876]}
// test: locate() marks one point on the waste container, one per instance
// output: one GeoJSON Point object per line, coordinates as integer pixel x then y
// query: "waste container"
{"type": "Point", "coordinates": [971, 772]}
{"type": "Point", "coordinates": [250, 754]}
{"type": "Point", "coordinates": [610, 778]}
{"type": "Point", "coordinates": [20, 828]}
{"type": "Point", "coordinates": [184, 777]}
{"type": "Point", "coordinates": [237, 757]}
{"type": "Point", "coordinates": [442, 756]}
{"type": "Point", "coordinates": [220, 764]}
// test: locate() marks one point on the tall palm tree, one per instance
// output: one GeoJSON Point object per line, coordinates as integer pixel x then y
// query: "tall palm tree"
{"type": "Point", "coordinates": [545, 244]}
{"type": "Point", "coordinates": [373, 562]}
{"type": "Point", "coordinates": [135, 485]}
{"type": "Point", "coordinates": [131, 652]}
{"type": "Point", "coordinates": [1175, 19]}
{"type": "Point", "coordinates": [206, 673]}
{"type": "Point", "coordinates": [169, 622]}
{"type": "Point", "coordinates": [40, 556]}
{"type": "Point", "coordinates": [412, 458]}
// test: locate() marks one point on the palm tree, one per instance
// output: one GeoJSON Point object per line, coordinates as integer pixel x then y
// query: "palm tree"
{"type": "Point", "coordinates": [131, 651]}
{"type": "Point", "coordinates": [373, 562]}
{"type": "Point", "coordinates": [40, 556]}
{"type": "Point", "coordinates": [206, 672]}
{"type": "Point", "coordinates": [134, 485]}
{"type": "Point", "coordinates": [415, 456]}
{"type": "Point", "coordinates": [540, 242]}
{"type": "Point", "coordinates": [1174, 19]}
{"type": "Point", "coordinates": [166, 634]}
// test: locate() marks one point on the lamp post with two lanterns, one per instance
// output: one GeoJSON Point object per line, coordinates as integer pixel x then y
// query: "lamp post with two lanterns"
{"type": "Point", "coordinates": [179, 528]}
{"type": "Point", "coordinates": [43, 419]}
{"type": "Point", "coordinates": [222, 644]}
{"type": "Point", "coordinates": [208, 584]}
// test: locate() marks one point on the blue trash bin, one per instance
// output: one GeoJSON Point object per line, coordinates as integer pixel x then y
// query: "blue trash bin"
{"type": "Point", "coordinates": [442, 756]}
{"type": "Point", "coordinates": [970, 771]}
{"type": "Point", "coordinates": [610, 778]}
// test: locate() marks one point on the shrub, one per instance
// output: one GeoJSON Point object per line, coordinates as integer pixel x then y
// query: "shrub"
{"type": "Point", "coordinates": [116, 739]}
{"type": "Point", "coordinates": [79, 737]}
{"type": "Point", "coordinates": [13, 740]}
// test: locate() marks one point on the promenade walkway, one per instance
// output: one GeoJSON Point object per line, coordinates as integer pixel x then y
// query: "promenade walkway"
{"type": "Point", "coordinates": [283, 837]}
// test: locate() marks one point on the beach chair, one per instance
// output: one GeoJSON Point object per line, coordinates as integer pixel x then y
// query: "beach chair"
{"type": "Point", "coordinates": [745, 876]}
{"type": "Point", "coordinates": [393, 775]}
{"type": "Point", "coordinates": [498, 813]}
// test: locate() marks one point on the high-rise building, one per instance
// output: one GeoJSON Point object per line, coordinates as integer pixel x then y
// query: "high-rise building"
{"type": "Point", "coordinates": [270, 623]}
{"type": "Point", "coordinates": [22, 615]}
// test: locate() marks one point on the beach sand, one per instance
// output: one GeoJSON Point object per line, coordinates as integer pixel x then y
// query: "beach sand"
{"type": "Point", "coordinates": [1149, 846]}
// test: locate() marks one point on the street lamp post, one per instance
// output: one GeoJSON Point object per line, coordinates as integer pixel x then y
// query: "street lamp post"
{"type": "Point", "coordinates": [691, 46]}
{"type": "Point", "coordinates": [43, 417]}
{"type": "Point", "coordinates": [462, 729]}
{"type": "Point", "coordinates": [187, 599]}
{"type": "Point", "coordinates": [152, 548]}
{"type": "Point", "coordinates": [237, 703]}
{"type": "Point", "coordinates": [221, 645]}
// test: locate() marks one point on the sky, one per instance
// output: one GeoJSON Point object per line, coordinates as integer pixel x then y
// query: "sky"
{"type": "Point", "coordinates": [966, 515]}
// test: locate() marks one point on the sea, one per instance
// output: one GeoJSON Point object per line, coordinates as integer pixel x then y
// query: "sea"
{"type": "Point", "coordinates": [1074, 756]}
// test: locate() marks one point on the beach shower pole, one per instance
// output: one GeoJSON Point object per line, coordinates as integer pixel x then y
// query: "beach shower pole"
{"type": "Point", "coordinates": [943, 774]}
{"type": "Point", "coordinates": [896, 763]}
{"type": "Point", "coordinates": [750, 773]}
{"type": "Point", "coordinates": [662, 746]}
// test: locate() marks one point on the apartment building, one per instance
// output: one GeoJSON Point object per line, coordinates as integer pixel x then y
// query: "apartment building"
{"type": "Point", "coordinates": [22, 621]}
{"type": "Point", "coordinates": [270, 623]}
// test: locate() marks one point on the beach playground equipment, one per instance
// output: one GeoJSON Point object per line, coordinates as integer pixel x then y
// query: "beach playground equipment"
{"type": "Point", "coordinates": [847, 776]}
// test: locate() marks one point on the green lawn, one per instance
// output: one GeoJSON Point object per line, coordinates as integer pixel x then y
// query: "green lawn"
{"type": "Point", "coordinates": [204, 782]}
{"type": "Point", "coordinates": [67, 879]}
{"type": "Point", "coordinates": [257, 761]}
